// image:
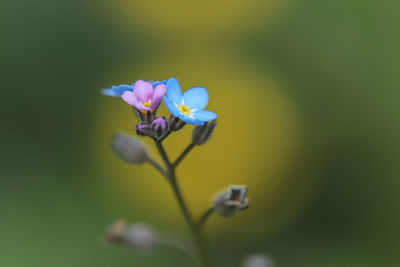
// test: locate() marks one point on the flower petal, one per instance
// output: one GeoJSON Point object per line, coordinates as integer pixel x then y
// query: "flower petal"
{"type": "Point", "coordinates": [158, 93]}
{"type": "Point", "coordinates": [117, 90]}
{"type": "Point", "coordinates": [196, 98]}
{"type": "Point", "coordinates": [204, 115]}
{"type": "Point", "coordinates": [174, 91]}
{"type": "Point", "coordinates": [190, 120]}
{"type": "Point", "coordinates": [143, 91]}
{"type": "Point", "coordinates": [171, 107]}
{"type": "Point", "coordinates": [131, 99]}
{"type": "Point", "coordinates": [159, 82]}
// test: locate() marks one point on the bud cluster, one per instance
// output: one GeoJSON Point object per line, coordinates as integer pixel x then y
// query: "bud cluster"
{"type": "Point", "coordinates": [155, 128]}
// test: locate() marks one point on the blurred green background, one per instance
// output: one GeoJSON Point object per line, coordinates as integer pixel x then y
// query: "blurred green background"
{"type": "Point", "coordinates": [307, 96]}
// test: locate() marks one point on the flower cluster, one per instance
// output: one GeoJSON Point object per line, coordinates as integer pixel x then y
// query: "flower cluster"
{"type": "Point", "coordinates": [185, 108]}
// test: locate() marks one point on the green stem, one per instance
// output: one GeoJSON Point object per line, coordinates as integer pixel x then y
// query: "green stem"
{"type": "Point", "coordinates": [199, 224]}
{"type": "Point", "coordinates": [170, 174]}
{"type": "Point", "coordinates": [183, 155]}
{"type": "Point", "coordinates": [156, 166]}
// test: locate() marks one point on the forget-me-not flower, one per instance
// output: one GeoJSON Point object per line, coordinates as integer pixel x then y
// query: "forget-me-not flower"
{"type": "Point", "coordinates": [189, 106]}
{"type": "Point", "coordinates": [146, 96]}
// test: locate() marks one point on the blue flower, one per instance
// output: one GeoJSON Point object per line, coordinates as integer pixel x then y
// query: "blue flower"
{"type": "Point", "coordinates": [189, 106]}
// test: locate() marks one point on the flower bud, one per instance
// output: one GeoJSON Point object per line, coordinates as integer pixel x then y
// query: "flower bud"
{"type": "Point", "coordinates": [175, 124]}
{"type": "Point", "coordinates": [138, 236]}
{"type": "Point", "coordinates": [159, 127]}
{"type": "Point", "coordinates": [114, 234]}
{"type": "Point", "coordinates": [143, 129]}
{"type": "Point", "coordinates": [128, 149]}
{"type": "Point", "coordinates": [229, 202]}
{"type": "Point", "coordinates": [260, 260]}
{"type": "Point", "coordinates": [201, 134]}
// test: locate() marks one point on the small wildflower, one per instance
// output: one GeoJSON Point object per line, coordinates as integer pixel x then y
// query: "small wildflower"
{"type": "Point", "coordinates": [159, 127]}
{"type": "Point", "coordinates": [229, 202]}
{"type": "Point", "coordinates": [128, 149]}
{"type": "Point", "coordinates": [201, 134]}
{"type": "Point", "coordinates": [146, 96]}
{"type": "Point", "coordinates": [189, 106]}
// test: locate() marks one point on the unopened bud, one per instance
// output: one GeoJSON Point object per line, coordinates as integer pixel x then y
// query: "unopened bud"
{"type": "Point", "coordinates": [159, 127]}
{"type": "Point", "coordinates": [260, 260]}
{"type": "Point", "coordinates": [128, 149]}
{"type": "Point", "coordinates": [138, 236]}
{"type": "Point", "coordinates": [143, 129]}
{"type": "Point", "coordinates": [114, 234]}
{"type": "Point", "coordinates": [201, 134]}
{"type": "Point", "coordinates": [175, 124]}
{"type": "Point", "coordinates": [232, 200]}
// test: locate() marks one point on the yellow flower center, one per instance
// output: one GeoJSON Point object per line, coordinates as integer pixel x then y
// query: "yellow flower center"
{"type": "Point", "coordinates": [184, 110]}
{"type": "Point", "coordinates": [147, 104]}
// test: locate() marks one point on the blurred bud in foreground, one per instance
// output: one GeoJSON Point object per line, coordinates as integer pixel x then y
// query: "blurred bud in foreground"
{"type": "Point", "coordinates": [138, 236]}
{"type": "Point", "coordinates": [202, 134]}
{"type": "Point", "coordinates": [175, 124]}
{"type": "Point", "coordinates": [259, 260]}
{"type": "Point", "coordinates": [232, 200]}
{"type": "Point", "coordinates": [128, 149]}
{"type": "Point", "coordinates": [143, 129]}
{"type": "Point", "coordinates": [159, 127]}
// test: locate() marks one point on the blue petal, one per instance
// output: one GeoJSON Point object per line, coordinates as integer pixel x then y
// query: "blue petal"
{"type": "Point", "coordinates": [190, 120]}
{"type": "Point", "coordinates": [117, 90]}
{"type": "Point", "coordinates": [171, 107]}
{"type": "Point", "coordinates": [109, 92]}
{"type": "Point", "coordinates": [174, 91]}
{"type": "Point", "coordinates": [196, 98]}
{"type": "Point", "coordinates": [204, 115]}
{"type": "Point", "coordinates": [157, 83]}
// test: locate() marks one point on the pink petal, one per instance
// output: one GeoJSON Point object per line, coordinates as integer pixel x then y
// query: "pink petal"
{"type": "Point", "coordinates": [158, 94]}
{"type": "Point", "coordinates": [143, 91]}
{"type": "Point", "coordinates": [131, 99]}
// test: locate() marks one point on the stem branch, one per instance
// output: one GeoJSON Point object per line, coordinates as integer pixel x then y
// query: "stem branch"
{"type": "Point", "coordinates": [183, 155]}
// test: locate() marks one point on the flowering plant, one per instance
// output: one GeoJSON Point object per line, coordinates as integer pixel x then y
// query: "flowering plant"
{"type": "Point", "coordinates": [187, 108]}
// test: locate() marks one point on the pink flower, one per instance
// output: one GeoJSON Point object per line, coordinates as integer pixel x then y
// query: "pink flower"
{"type": "Point", "coordinates": [146, 96]}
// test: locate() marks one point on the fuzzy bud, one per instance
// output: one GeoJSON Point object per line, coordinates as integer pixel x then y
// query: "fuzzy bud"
{"type": "Point", "coordinates": [159, 127]}
{"type": "Point", "coordinates": [201, 134]}
{"type": "Point", "coordinates": [128, 149]}
{"type": "Point", "coordinates": [138, 236]}
{"type": "Point", "coordinates": [175, 124]}
{"type": "Point", "coordinates": [232, 200]}
{"type": "Point", "coordinates": [143, 129]}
